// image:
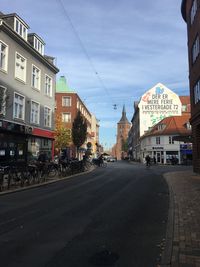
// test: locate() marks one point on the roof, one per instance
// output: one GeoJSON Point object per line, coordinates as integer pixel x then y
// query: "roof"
{"type": "Point", "coordinates": [185, 100]}
{"type": "Point", "coordinates": [62, 86]}
{"type": "Point", "coordinates": [25, 44]}
{"type": "Point", "coordinates": [15, 15]}
{"type": "Point", "coordinates": [124, 118]}
{"type": "Point", "coordinates": [175, 125]}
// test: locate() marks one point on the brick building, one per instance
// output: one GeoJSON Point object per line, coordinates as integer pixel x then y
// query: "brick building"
{"type": "Point", "coordinates": [68, 103]}
{"type": "Point", "coordinates": [191, 14]}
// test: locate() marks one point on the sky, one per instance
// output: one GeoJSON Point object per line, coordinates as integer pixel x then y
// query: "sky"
{"type": "Point", "coordinates": [111, 51]}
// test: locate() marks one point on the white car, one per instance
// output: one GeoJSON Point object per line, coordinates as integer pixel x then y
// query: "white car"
{"type": "Point", "coordinates": [111, 159]}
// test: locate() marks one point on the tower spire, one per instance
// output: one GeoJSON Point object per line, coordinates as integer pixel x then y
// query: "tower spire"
{"type": "Point", "coordinates": [124, 118]}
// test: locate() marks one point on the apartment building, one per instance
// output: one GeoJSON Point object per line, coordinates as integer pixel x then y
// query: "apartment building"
{"type": "Point", "coordinates": [27, 92]}
{"type": "Point", "coordinates": [191, 14]}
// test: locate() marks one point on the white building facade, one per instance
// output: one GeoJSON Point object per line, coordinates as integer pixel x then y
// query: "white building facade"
{"type": "Point", "coordinates": [160, 144]}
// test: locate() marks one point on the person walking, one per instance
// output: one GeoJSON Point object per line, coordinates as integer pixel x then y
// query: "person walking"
{"type": "Point", "coordinates": [148, 160]}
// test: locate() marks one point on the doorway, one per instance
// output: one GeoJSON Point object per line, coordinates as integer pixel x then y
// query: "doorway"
{"type": "Point", "coordinates": [158, 157]}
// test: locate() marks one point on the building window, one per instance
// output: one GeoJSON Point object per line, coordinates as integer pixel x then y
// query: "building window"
{"type": "Point", "coordinates": [197, 92]}
{"type": "Point", "coordinates": [19, 106]}
{"type": "Point", "coordinates": [35, 112]}
{"type": "Point", "coordinates": [158, 140]}
{"type": "Point", "coordinates": [184, 108]}
{"type": "Point", "coordinates": [47, 117]}
{"type": "Point", "coordinates": [193, 11]}
{"type": "Point", "coordinates": [2, 100]}
{"type": "Point", "coordinates": [35, 77]}
{"type": "Point", "coordinates": [195, 49]}
{"type": "Point", "coordinates": [38, 46]}
{"type": "Point", "coordinates": [3, 56]}
{"type": "Point", "coordinates": [20, 67]}
{"type": "Point", "coordinates": [171, 141]}
{"type": "Point", "coordinates": [20, 29]}
{"type": "Point", "coordinates": [66, 101]}
{"type": "Point", "coordinates": [66, 117]}
{"type": "Point", "coordinates": [48, 85]}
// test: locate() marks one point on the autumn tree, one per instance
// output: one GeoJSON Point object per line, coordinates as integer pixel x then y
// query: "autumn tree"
{"type": "Point", "coordinates": [62, 134]}
{"type": "Point", "coordinates": [79, 130]}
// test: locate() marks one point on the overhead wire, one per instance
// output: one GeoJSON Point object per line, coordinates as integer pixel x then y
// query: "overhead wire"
{"type": "Point", "coordinates": [86, 53]}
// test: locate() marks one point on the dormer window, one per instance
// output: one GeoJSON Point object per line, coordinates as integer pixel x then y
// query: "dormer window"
{"type": "Point", "coordinates": [161, 127]}
{"type": "Point", "coordinates": [36, 42]}
{"type": "Point", "coordinates": [38, 45]}
{"type": "Point", "coordinates": [20, 28]}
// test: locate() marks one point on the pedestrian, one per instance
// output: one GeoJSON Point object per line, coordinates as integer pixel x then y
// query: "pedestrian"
{"type": "Point", "coordinates": [148, 159]}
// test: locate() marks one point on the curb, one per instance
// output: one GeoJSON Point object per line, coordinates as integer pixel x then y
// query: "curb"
{"type": "Point", "coordinates": [44, 183]}
{"type": "Point", "coordinates": [167, 253]}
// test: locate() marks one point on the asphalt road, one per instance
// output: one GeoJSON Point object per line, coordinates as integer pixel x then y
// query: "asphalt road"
{"type": "Point", "coordinates": [114, 216]}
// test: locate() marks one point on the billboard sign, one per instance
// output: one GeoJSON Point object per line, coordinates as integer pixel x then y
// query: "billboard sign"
{"type": "Point", "coordinates": [156, 104]}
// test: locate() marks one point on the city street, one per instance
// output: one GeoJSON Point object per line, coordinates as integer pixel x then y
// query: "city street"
{"type": "Point", "coordinates": [114, 216]}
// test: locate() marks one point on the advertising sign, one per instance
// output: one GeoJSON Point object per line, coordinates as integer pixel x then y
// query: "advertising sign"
{"type": "Point", "coordinates": [156, 104]}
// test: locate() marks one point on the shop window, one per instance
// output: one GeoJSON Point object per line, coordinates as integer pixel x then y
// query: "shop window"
{"type": "Point", "coordinates": [45, 142]}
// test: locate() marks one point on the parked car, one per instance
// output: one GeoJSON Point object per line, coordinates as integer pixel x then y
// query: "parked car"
{"type": "Point", "coordinates": [111, 159]}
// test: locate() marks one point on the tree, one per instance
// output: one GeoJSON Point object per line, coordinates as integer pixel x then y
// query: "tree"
{"type": "Point", "coordinates": [62, 134]}
{"type": "Point", "coordinates": [79, 130]}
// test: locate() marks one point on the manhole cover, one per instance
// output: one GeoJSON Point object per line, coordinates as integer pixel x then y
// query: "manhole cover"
{"type": "Point", "coordinates": [104, 258]}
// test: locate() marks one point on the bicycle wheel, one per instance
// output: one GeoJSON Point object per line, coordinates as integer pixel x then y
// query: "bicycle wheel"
{"type": "Point", "coordinates": [104, 164]}
{"type": "Point", "coordinates": [52, 172]}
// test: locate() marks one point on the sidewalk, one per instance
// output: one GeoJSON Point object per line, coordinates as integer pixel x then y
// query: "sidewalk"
{"type": "Point", "coordinates": [48, 181]}
{"type": "Point", "coordinates": [182, 248]}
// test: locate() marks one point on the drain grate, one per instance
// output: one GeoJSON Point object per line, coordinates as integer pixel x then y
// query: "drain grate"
{"type": "Point", "coordinates": [104, 258]}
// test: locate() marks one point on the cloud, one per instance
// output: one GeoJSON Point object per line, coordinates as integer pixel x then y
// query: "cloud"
{"type": "Point", "coordinates": [111, 52]}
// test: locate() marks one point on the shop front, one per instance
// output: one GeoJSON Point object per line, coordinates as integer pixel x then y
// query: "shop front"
{"type": "Point", "coordinates": [186, 153]}
{"type": "Point", "coordinates": [13, 143]}
{"type": "Point", "coordinates": [20, 143]}
{"type": "Point", "coordinates": [41, 141]}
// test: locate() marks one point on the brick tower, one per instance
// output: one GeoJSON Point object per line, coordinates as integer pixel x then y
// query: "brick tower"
{"type": "Point", "coordinates": [123, 127]}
